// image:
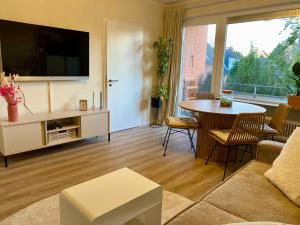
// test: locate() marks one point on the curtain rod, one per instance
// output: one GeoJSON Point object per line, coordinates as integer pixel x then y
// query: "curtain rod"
{"type": "Point", "coordinates": [265, 16]}
{"type": "Point", "coordinates": [197, 4]}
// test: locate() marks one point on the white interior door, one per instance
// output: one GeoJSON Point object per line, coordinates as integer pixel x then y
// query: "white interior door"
{"type": "Point", "coordinates": [124, 74]}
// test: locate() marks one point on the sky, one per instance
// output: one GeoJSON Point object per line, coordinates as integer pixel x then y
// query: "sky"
{"type": "Point", "coordinates": [265, 35]}
{"type": "Point", "coordinates": [211, 35]}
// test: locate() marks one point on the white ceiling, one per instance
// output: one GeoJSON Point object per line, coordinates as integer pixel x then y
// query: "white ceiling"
{"type": "Point", "coordinates": [170, 1]}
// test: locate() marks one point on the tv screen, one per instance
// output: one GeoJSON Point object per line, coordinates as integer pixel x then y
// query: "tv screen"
{"type": "Point", "coordinates": [45, 53]}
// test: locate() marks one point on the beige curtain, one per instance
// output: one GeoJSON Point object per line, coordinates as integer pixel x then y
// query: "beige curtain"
{"type": "Point", "coordinates": [172, 28]}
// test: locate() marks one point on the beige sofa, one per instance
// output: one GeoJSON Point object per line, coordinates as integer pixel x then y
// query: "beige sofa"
{"type": "Point", "coordinates": [245, 196]}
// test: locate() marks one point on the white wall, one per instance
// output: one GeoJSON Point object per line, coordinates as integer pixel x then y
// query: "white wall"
{"type": "Point", "coordinates": [85, 15]}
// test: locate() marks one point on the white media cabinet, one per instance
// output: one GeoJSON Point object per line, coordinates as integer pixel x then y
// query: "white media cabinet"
{"type": "Point", "coordinates": [50, 129]}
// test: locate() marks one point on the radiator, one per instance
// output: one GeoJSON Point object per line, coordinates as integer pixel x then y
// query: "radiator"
{"type": "Point", "coordinates": [288, 129]}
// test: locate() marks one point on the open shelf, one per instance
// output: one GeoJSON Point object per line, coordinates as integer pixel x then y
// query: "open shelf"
{"type": "Point", "coordinates": [68, 127]}
{"type": "Point", "coordinates": [62, 130]}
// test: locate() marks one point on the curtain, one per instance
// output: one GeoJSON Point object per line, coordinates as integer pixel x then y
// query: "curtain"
{"type": "Point", "coordinates": [172, 28]}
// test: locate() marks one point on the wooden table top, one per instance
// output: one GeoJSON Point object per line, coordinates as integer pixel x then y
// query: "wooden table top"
{"type": "Point", "coordinates": [213, 106]}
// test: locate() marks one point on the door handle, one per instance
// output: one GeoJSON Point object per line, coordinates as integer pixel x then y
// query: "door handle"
{"type": "Point", "coordinates": [111, 81]}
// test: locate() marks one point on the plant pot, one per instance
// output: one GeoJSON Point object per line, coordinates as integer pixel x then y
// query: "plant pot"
{"type": "Point", "coordinates": [156, 102]}
{"type": "Point", "coordinates": [12, 111]}
{"type": "Point", "coordinates": [156, 116]}
{"type": "Point", "coordinates": [294, 102]}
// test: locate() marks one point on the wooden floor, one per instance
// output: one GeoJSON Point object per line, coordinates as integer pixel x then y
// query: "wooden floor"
{"type": "Point", "coordinates": [35, 175]}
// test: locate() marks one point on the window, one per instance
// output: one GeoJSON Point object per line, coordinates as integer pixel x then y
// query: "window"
{"type": "Point", "coordinates": [198, 58]}
{"type": "Point", "coordinates": [197, 61]}
{"type": "Point", "coordinates": [259, 56]}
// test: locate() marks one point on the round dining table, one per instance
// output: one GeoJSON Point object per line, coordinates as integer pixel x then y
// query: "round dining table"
{"type": "Point", "coordinates": [213, 116]}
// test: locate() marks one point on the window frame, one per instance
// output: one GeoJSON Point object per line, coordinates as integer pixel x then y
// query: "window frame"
{"type": "Point", "coordinates": [222, 21]}
{"type": "Point", "coordinates": [218, 52]}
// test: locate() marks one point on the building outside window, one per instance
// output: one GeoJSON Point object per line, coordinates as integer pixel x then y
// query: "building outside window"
{"type": "Point", "coordinates": [198, 58]}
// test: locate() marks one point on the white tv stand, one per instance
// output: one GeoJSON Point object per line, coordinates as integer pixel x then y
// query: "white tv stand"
{"type": "Point", "coordinates": [50, 129]}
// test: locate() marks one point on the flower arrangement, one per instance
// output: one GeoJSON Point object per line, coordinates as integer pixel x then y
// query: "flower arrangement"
{"type": "Point", "coordinates": [9, 90]}
{"type": "Point", "coordinates": [11, 93]}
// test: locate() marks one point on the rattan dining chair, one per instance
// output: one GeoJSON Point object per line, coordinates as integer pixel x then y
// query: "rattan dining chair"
{"type": "Point", "coordinates": [182, 125]}
{"type": "Point", "coordinates": [276, 124]}
{"type": "Point", "coordinates": [205, 95]}
{"type": "Point", "coordinates": [246, 131]}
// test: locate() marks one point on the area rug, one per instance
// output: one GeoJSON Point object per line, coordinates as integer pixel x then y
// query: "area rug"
{"type": "Point", "coordinates": [46, 211]}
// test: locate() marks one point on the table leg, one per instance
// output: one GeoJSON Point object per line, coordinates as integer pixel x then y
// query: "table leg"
{"type": "Point", "coordinates": [208, 122]}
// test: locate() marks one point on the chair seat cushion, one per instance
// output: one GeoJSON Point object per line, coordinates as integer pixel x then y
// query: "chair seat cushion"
{"type": "Point", "coordinates": [269, 130]}
{"type": "Point", "coordinates": [221, 135]}
{"type": "Point", "coordinates": [257, 223]}
{"type": "Point", "coordinates": [182, 122]}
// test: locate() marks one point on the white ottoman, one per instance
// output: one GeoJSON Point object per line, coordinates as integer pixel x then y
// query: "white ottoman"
{"type": "Point", "coordinates": [112, 199]}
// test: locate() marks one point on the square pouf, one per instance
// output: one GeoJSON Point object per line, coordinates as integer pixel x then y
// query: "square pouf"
{"type": "Point", "coordinates": [112, 199]}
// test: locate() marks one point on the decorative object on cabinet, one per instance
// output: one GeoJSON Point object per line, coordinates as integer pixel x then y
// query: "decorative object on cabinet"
{"type": "Point", "coordinates": [93, 107]}
{"type": "Point", "coordinates": [101, 101]}
{"type": "Point", "coordinates": [83, 105]}
{"type": "Point", "coordinates": [11, 93]}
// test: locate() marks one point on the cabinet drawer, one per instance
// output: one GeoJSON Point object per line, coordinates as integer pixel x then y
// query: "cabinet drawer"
{"type": "Point", "coordinates": [21, 138]}
{"type": "Point", "coordinates": [94, 125]}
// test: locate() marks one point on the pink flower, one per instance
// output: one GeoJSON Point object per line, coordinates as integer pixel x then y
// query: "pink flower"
{"type": "Point", "coordinates": [10, 92]}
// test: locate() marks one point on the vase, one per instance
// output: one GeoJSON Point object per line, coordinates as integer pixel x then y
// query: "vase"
{"type": "Point", "coordinates": [156, 102]}
{"type": "Point", "coordinates": [294, 102]}
{"type": "Point", "coordinates": [12, 111]}
{"type": "Point", "coordinates": [156, 111]}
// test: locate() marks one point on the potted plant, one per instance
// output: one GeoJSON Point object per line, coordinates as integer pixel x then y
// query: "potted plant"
{"type": "Point", "coordinates": [11, 93]}
{"type": "Point", "coordinates": [163, 48]}
{"type": "Point", "coordinates": [294, 99]}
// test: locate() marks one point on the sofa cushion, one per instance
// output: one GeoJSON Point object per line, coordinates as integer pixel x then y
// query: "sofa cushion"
{"type": "Point", "coordinates": [249, 195]}
{"type": "Point", "coordinates": [268, 151]}
{"type": "Point", "coordinates": [285, 172]}
{"type": "Point", "coordinates": [257, 223]}
{"type": "Point", "coordinates": [204, 214]}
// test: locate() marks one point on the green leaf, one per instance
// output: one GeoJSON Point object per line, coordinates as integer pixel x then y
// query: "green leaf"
{"type": "Point", "coordinates": [294, 78]}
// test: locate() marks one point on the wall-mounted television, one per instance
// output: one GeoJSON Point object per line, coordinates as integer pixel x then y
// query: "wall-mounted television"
{"type": "Point", "coordinates": [44, 53]}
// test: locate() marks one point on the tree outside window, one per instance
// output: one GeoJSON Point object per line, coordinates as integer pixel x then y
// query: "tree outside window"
{"type": "Point", "coordinates": [258, 65]}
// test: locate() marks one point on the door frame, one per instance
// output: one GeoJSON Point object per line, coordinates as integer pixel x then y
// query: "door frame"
{"type": "Point", "coordinates": [104, 63]}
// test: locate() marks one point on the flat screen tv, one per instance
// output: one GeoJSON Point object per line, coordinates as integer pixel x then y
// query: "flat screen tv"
{"type": "Point", "coordinates": [44, 53]}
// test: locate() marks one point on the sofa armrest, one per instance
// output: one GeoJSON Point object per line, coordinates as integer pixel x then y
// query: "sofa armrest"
{"type": "Point", "coordinates": [267, 151]}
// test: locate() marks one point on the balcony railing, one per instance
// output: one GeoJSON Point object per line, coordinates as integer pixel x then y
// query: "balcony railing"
{"type": "Point", "coordinates": [257, 91]}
